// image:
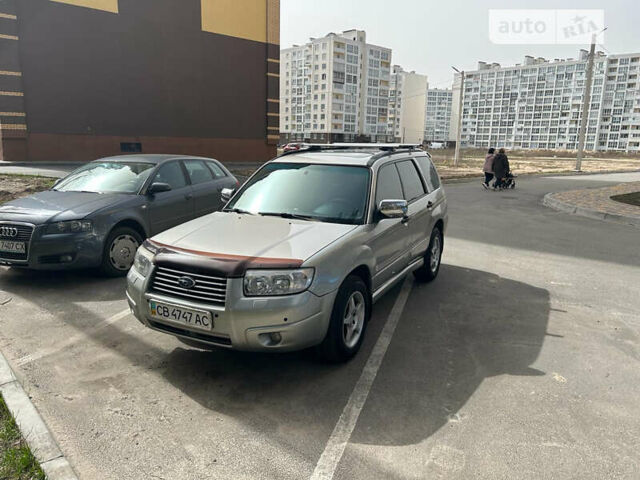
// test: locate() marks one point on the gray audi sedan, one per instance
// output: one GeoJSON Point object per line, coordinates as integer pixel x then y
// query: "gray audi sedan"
{"type": "Point", "coordinates": [99, 214]}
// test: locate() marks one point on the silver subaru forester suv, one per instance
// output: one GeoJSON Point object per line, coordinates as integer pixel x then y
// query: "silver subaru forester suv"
{"type": "Point", "coordinates": [299, 254]}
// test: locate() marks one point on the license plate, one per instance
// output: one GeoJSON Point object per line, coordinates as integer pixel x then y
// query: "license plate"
{"type": "Point", "coordinates": [12, 247]}
{"type": "Point", "coordinates": [192, 318]}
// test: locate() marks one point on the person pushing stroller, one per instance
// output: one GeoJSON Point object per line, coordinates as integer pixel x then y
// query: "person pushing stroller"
{"type": "Point", "coordinates": [501, 169]}
{"type": "Point", "coordinates": [488, 167]}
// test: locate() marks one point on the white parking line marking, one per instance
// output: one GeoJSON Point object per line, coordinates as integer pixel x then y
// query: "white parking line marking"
{"type": "Point", "coordinates": [45, 352]}
{"type": "Point", "coordinates": [341, 434]}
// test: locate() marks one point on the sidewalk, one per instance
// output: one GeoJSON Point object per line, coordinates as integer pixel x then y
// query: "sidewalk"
{"type": "Point", "coordinates": [596, 203]}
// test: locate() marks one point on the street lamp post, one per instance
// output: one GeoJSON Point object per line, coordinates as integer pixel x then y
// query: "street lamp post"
{"type": "Point", "coordinates": [456, 158]}
{"type": "Point", "coordinates": [586, 102]}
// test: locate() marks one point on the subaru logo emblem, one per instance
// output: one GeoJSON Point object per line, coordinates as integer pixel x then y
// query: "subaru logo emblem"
{"type": "Point", "coordinates": [8, 232]}
{"type": "Point", "coordinates": [186, 282]}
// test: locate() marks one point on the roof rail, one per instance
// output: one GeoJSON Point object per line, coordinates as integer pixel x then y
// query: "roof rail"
{"type": "Point", "coordinates": [384, 147]}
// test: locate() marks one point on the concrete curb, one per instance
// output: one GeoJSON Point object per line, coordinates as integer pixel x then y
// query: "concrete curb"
{"type": "Point", "coordinates": [552, 202]}
{"type": "Point", "coordinates": [33, 428]}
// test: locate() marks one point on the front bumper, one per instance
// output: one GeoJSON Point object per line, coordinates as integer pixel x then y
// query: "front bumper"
{"type": "Point", "coordinates": [60, 252]}
{"type": "Point", "coordinates": [244, 323]}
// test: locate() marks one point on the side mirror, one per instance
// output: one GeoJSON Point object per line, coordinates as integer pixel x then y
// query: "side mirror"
{"type": "Point", "coordinates": [393, 208]}
{"type": "Point", "coordinates": [158, 187]}
{"type": "Point", "coordinates": [227, 193]}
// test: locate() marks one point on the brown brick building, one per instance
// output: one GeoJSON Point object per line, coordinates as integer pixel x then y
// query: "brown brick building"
{"type": "Point", "coordinates": [82, 79]}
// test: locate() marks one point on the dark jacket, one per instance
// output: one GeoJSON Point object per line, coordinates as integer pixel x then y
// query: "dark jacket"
{"type": "Point", "coordinates": [500, 165]}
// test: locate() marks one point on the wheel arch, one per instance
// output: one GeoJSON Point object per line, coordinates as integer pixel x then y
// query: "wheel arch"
{"type": "Point", "coordinates": [440, 224]}
{"type": "Point", "coordinates": [130, 223]}
{"type": "Point", "coordinates": [364, 273]}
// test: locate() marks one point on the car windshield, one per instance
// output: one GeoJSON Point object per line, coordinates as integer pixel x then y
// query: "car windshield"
{"type": "Point", "coordinates": [106, 177]}
{"type": "Point", "coordinates": [329, 193]}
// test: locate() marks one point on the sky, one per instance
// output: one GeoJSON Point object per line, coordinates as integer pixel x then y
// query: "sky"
{"type": "Point", "coordinates": [430, 37]}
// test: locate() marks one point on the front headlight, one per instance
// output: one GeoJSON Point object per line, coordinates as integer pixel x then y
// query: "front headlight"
{"type": "Point", "coordinates": [72, 226]}
{"type": "Point", "coordinates": [143, 261]}
{"type": "Point", "coordinates": [276, 282]}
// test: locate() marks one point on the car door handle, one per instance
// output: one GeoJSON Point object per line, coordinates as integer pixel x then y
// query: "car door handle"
{"type": "Point", "coordinates": [188, 196]}
{"type": "Point", "coordinates": [429, 204]}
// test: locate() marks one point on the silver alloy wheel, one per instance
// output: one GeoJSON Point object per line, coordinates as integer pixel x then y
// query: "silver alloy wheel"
{"type": "Point", "coordinates": [122, 252]}
{"type": "Point", "coordinates": [434, 260]}
{"type": "Point", "coordinates": [353, 319]}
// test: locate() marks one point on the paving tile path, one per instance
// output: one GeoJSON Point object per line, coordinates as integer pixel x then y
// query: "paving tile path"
{"type": "Point", "coordinates": [597, 202]}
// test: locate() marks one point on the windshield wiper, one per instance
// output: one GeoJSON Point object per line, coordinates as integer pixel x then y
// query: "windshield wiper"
{"type": "Point", "coordinates": [294, 216]}
{"type": "Point", "coordinates": [238, 210]}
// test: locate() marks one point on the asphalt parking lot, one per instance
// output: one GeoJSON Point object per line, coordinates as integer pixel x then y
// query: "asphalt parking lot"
{"type": "Point", "coordinates": [520, 361]}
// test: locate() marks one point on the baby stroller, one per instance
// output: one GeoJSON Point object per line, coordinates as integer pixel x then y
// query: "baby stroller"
{"type": "Point", "coordinates": [509, 181]}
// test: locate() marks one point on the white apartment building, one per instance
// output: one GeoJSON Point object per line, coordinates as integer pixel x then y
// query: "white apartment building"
{"type": "Point", "coordinates": [538, 104]}
{"type": "Point", "coordinates": [335, 89]}
{"type": "Point", "coordinates": [407, 99]}
{"type": "Point", "coordinates": [437, 117]}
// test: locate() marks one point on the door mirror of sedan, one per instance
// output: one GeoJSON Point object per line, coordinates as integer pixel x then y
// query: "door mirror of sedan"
{"type": "Point", "coordinates": [227, 193]}
{"type": "Point", "coordinates": [393, 208]}
{"type": "Point", "coordinates": [157, 187]}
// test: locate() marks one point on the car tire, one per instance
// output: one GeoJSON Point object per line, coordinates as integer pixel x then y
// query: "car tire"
{"type": "Point", "coordinates": [432, 257]}
{"type": "Point", "coordinates": [119, 251]}
{"type": "Point", "coordinates": [353, 304]}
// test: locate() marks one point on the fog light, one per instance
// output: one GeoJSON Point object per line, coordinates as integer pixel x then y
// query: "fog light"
{"type": "Point", "coordinates": [66, 258]}
{"type": "Point", "coordinates": [275, 337]}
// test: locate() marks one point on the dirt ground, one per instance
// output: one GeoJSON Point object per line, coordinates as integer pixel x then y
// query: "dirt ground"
{"type": "Point", "coordinates": [16, 186]}
{"type": "Point", "coordinates": [472, 162]}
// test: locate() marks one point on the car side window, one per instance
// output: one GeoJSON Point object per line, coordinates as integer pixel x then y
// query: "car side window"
{"type": "Point", "coordinates": [434, 178]}
{"type": "Point", "coordinates": [217, 171]}
{"type": "Point", "coordinates": [411, 182]}
{"type": "Point", "coordinates": [429, 172]}
{"type": "Point", "coordinates": [389, 186]}
{"type": "Point", "coordinates": [198, 171]}
{"type": "Point", "coordinates": [172, 174]}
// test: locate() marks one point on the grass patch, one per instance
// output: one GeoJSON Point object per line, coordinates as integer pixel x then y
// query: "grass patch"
{"type": "Point", "coordinates": [632, 198]}
{"type": "Point", "coordinates": [16, 460]}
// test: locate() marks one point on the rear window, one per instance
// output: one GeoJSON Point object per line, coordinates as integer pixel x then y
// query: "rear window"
{"type": "Point", "coordinates": [217, 171]}
{"type": "Point", "coordinates": [429, 172]}
{"type": "Point", "coordinates": [198, 171]}
{"type": "Point", "coordinates": [411, 182]}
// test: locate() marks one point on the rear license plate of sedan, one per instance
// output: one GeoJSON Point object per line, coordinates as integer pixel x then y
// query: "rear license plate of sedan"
{"type": "Point", "coordinates": [186, 316]}
{"type": "Point", "coordinates": [12, 247]}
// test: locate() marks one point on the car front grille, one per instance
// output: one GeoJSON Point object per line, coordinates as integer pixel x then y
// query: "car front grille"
{"type": "Point", "coordinates": [206, 288]}
{"type": "Point", "coordinates": [16, 232]}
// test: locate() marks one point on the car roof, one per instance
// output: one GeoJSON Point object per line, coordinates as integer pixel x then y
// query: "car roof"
{"type": "Point", "coordinates": [147, 158]}
{"type": "Point", "coordinates": [341, 157]}
{"type": "Point", "coordinates": [355, 157]}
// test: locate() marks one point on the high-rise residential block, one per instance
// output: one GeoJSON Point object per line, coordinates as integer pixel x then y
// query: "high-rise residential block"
{"type": "Point", "coordinates": [335, 89]}
{"type": "Point", "coordinates": [538, 104]}
{"type": "Point", "coordinates": [407, 99]}
{"type": "Point", "coordinates": [437, 117]}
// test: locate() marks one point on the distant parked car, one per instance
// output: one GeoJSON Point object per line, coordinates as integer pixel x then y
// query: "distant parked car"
{"type": "Point", "coordinates": [292, 147]}
{"type": "Point", "coordinates": [99, 214]}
